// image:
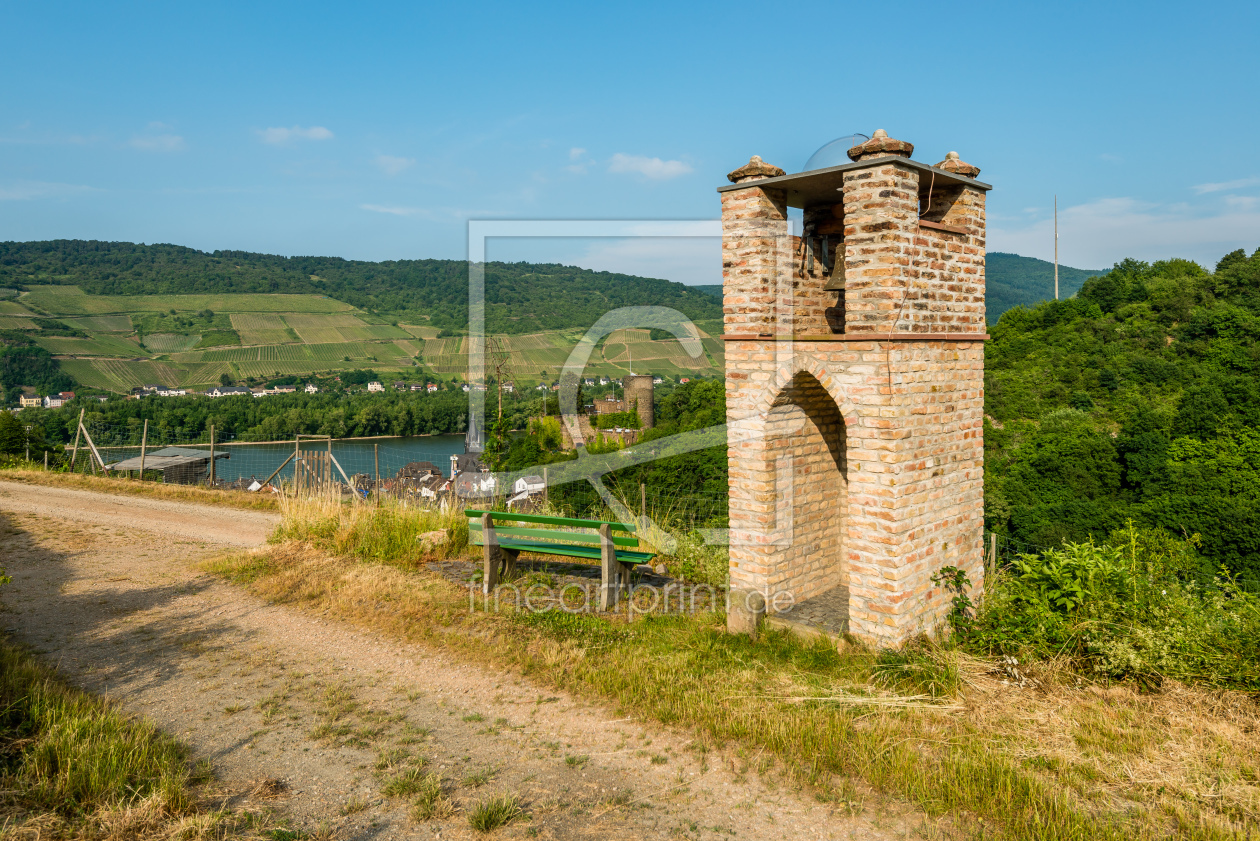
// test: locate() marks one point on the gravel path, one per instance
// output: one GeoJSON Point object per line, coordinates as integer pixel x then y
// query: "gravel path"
{"type": "Point", "coordinates": [106, 588]}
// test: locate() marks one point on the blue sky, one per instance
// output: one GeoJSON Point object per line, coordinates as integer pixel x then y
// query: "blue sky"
{"type": "Point", "coordinates": [377, 130]}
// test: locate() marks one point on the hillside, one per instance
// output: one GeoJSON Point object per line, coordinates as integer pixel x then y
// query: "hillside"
{"type": "Point", "coordinates": [520, 297]}
{"type": "Point", "coordinates": [1137, 399]}
{"type": "Point", "coordinates": [1014, 281]}
{"type": "Point", "coordinates": [116, 315]}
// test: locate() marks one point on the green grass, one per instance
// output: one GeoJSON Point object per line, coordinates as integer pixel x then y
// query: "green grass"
{"type": "Point", "coordinates": [15, 322]}
{"type": "Point", "coordinates": [218, 338]}
{"type": "Point", "coordinates": [430, 802]}
{"type": "Point", "coordinates": [78, 757]}
{"type": "Point", "coordinates": [171, 342]}
{"type": "Point", "coordinates": [489, 815]}
{"type": "Point", "coordinates": [70, 300]}
{"type": "Point", "coordinates": [102, 323]}
{"type": "Point", "coordinates": [101, 345]}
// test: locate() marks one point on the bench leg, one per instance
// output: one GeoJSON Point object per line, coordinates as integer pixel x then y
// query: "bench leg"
{"type": "Point", "coordinates": [626, 570]}
{"type": "Point", "coordinates": [489, 568]}
{"type": "Point", "coordinates": [509, 563]}
{"type": "Point", "coordinates": [609, 570]}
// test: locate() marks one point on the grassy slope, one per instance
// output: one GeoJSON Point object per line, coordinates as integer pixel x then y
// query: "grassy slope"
{"type": "Point", "coordinates": [1047, 761]}
{"type": "Point", "coordinates": [76, 765]}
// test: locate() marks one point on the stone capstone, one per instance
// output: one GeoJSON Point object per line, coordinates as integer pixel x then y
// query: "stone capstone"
{"type": "Point", "coordinates": [755, 168]}
{"type": "Point", "coordinates": [953, 163]}
{"type": "Point", "coordinates": [881, 145]}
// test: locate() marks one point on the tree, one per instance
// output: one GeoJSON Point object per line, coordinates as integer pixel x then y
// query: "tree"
{"type": "Point", "coordinates": [225, 379]}
{"type": "Point", "coordinates": [12, 434]}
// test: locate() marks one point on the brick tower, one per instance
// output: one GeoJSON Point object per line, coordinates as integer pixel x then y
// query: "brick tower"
{"type": "Point", "coordinates": [855, 388]}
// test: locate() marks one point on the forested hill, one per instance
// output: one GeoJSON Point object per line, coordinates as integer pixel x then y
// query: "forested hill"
{"type": "Point", "coordinates": [1139, 398]}
{"type": "Point", "coordinates": [520, 297]}
{"type": "Point", "coordinates": [1015, 281]}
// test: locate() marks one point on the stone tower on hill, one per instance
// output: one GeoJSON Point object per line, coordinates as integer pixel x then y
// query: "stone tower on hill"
{"type": "Point", "coordinates": [854, 389]}
{"type": "Point", "coordinates": [637, 389]}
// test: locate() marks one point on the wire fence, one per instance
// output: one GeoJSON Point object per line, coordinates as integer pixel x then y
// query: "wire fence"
{"type": "Point", "coordinates": [367, 468]}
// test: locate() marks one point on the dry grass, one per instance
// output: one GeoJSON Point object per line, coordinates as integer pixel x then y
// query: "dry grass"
{"type": "Point", "coordinates": [1048, 759]}
{"type": "Point", "coordinates": [153, 490]}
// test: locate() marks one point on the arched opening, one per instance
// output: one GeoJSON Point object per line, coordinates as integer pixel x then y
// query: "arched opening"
{"type": "Point", "coordinates": [806, 448]}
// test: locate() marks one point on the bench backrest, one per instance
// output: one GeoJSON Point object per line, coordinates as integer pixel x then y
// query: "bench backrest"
{"type": "Point", "coordinates": [547, 535]}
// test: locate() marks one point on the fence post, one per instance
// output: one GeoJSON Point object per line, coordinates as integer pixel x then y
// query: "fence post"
{"type": "Point", "coordinates": [642, 500]}
{"type": "Point", "coordinates": [546, 487]}
{"type": "Point", "coordinates": [77, 431]}
{"type": "Point", "coordinates": [376, 462]}
{"type": "Point", "coordinates": [993, 564]}
{"type": "Point", "coordinates": [211, 455]}
{"type": "Point", "coordinates": [45, 461]}
{"type": "Point", "coordinates": [297, 462]}
{"type": "Point", "coordinates": [144, 444]}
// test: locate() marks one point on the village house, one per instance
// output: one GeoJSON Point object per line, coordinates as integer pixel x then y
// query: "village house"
{"type": "Point", "coordinates": [509, 387]}
{"type": "Point", "coordinates": [375, 386]}
{"type": "Point", "coordinates": [30, 401]}
{"type": "Point", "coordinates": [431, 387]}
{"type": "Point", "coordinates": [400, 386]}
{"type": "Point", "coordinates": [56, 401]}
{"type": "Point", "coordinates": [311, 388]}
{"type": "Point", "coordinates": [228, 391]}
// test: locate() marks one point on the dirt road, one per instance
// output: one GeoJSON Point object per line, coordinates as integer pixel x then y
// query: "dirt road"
{"type": "Point", "coordinates": [107, 589]}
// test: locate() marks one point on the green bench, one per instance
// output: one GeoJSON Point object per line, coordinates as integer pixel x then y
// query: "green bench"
{"type": "Point", "coordinates": [502, 541]}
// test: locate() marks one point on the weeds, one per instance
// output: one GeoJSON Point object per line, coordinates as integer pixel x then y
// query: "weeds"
{"type": "Point", "coordinates": [409, 782]}
{"type": "Point", "coordinates": [79, 758]}
{"type": "Point", "coordinates": [491, 814]}
{"type": "Point", "coordinates": [1136, 607]}
{"type": "Point", "coordinates": [430, 803]}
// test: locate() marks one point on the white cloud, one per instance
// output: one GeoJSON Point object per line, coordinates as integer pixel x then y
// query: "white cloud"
{"type": "Point", "coordinates": [158, 125]}
{"type": "Point", "coordinates": [392, 165]}
{"type": "Point", "coordinates": [25, 190]}
{"type": "Point", "coordinates": [284, 135]}
{"type": "Point", "coordinates": [654, 168]}
{"type": "Point", "coordinates": [576, 152]}
{"type": "Point", "coordinates": [157, 142]}
{"type": "Point", "coordinates": [1100, 233]}
{"type": "Point", "coordinates": [1225, 185]}
{"type": "Point", "coordinates": [1242, 202]}
{"type": "Point", "coordinates": [394, 210]}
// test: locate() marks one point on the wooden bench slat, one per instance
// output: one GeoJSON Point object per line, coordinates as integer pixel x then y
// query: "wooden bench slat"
{"type": "Point", "coordinates": [507, 516]}
{"type": "Point", "coordinates": [550, 534]}
{"type": "Point", "coordinates": [574, 551]}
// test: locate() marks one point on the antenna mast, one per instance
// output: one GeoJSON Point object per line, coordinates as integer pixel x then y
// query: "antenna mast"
{"type": "Point", "coordinates": [1056, 247]}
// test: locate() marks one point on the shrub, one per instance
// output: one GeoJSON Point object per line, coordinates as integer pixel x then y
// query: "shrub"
{"type": "Point", "coordinates": [1140, 606]}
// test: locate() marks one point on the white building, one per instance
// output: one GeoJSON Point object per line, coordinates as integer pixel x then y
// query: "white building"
{"type": "Point", "coordinates": [375, 386]}
{"type": "Point", "coordinates": [311, 388]}
{"type": "Point", "coordinates": [529, 485]}
{"type": "Point", "coordinates": [227, 391]}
